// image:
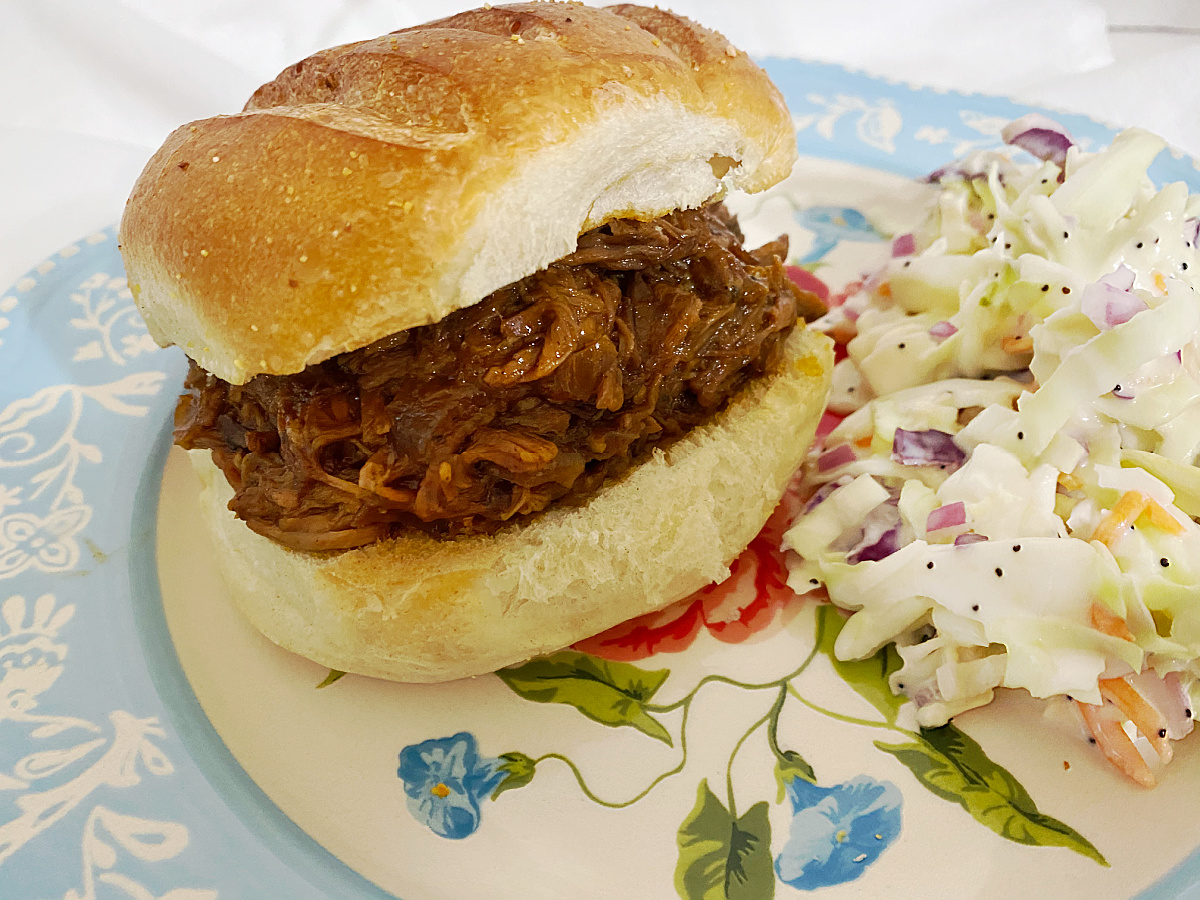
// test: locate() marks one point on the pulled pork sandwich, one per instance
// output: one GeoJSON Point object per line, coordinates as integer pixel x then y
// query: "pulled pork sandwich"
{"type": "Point", "coordinates": [480, 364]}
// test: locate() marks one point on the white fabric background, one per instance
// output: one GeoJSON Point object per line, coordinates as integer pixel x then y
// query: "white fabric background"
{"type": "Point", "coordinates": [93, 86]}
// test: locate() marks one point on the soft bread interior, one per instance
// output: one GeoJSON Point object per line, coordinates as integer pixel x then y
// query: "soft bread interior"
{"type": "Point", "coordinates": [420, 609]}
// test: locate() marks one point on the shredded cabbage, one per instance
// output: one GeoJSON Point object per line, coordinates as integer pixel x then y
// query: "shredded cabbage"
{"type": "Point", "coordinates": [1047, 323]}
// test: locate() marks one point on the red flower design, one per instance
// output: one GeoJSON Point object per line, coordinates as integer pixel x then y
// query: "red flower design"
{"type": "Point", "coordinates": [829, 421]}
{"type": "Point", "coordinates": [807, 281]}
{"type": "Point", "coordinates": [753, 597]}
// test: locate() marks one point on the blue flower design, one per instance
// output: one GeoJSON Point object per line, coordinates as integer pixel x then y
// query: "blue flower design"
{"type": "Point", "coordinates": [837, 831]}
{"type": "Point", "coordinates": [445, 780]}
{"type": "Point", "coordinates": [831, 225]}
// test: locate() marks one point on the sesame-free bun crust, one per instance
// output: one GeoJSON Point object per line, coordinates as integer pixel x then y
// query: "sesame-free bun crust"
{"type": "Point", "coordinates": [421, 609]}
{"type": "Point", "coordinates": [379, 186]}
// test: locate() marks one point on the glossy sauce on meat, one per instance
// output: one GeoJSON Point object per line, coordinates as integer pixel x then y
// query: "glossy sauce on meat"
{"type": "Point", "coordinates": [537, 394]}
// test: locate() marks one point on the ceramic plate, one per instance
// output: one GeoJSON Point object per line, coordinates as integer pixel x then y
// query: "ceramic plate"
{"type": "Point", "coordinates": [153, 746]}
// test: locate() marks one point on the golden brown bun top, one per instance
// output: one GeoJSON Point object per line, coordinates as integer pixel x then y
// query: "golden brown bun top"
{"type": "Point", "coordinates": [378, 186]}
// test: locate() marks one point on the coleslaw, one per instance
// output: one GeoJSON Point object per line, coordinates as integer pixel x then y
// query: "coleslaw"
{"type": "Point", "coordinates": [1011, 498]}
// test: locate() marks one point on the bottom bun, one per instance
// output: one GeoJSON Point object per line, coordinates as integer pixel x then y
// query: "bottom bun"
{"type": "Point", "coordinates": [416, 608]}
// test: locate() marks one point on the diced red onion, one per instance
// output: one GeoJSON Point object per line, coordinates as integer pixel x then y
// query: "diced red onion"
{"type": "Point", "coordinates": [1108, 304]}
{"type": "Point", "coordinates": [969, 538]}
{"type": "Point", "coordinates": [1122, 277]}
{"type": "Point", "coordinates": [1191, 231]}
{"type": "Point", "coordinates": [1039, 136]}
{"type": "Point", "coordinates": [1181, 718]}
{"type": "Point", "coordinates": [972, 167]}
{"type": "Point", "coordinates": [926, 448]}
{"type": "Point", "coordinates": [942, 330]}
{"type": "Point", "coordinates": [937, 176]}
{"type": "Point", "coordinates": [1120, 313]}
{"type": "Point", "coordinates": [1122, 392]}
{"type": "Point", "coordinates": [954, 170]}
{"type": "Point", "coordinates": [947, 516]}
{"type": "Point", "coordinates": [1167, 695]}
{"type": "Point", "coordinates": [839, 456]}
{"type": "Point", "coordinates": [823, 493]}
{"type": "Point", "coordinates": [888, 543]}
{"type": "Point", "coordinates": [850, 313]}
{"type": "Point", "coordinates": [879, 535]}
{"type": "Point", "coordinates": [904, 245]}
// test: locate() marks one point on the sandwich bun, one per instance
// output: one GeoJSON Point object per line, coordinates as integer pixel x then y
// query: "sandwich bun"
{"type": "Point", "coordinates": [380, 186]}
{"type": "Point", "coordinates": [421, 609]}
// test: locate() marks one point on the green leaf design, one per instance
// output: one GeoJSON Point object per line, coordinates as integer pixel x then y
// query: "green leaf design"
{"type": "Point", "coordinates": [334, 675]}
{"type": "Point", "coordinates": [869, 677]}
{"type": "Point", "coordinates": [790, 765]}
{"type": "Point", "coordinates": [611, 693]}
{"type": "Point", "coordinates": [954, 767]}
{"type": "Point", "coordinates": [722, 858]}
{"type": "Point", "coordinates": [518, 770]}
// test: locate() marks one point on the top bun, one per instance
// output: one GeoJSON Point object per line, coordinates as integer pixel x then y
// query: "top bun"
{"type": "Point", "coordinates": [379, 186]}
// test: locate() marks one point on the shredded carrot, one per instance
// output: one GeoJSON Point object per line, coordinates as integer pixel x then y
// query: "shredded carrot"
{"type": "Point", "coordinates": [1160, 518]}
{"type": "Point", "coordinates": [1017, 344]}
{"type": "Point", "coordinates": [1106, 621]}
{"type": "Point", "coordinates": [1148, 720]}
{"type": "Point", "coordinates": [1131, 505]}
{"type": "Point", "coordinates": [865, 441]}
{"type": "Point", "coordinates": [1069, 481]}
{"type": "Point", "coordinates": [884, 290]}
{"type": "Point", "coordinates": [1160, 282]}
{"type": "Point", "coordinates": [1115, 743]}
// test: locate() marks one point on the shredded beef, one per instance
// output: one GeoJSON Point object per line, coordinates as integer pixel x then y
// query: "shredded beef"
{"type": "Point", "coordinates": [538, 394]}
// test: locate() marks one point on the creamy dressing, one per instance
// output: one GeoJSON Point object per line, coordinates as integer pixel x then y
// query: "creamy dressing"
{"type": "Point", "coordinates": [1047, 325]}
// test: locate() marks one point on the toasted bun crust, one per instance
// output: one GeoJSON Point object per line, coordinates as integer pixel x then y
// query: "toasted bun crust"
{"type": "Point", "coordinates": [419, 609]}
{"type": "Point", "coordinates": [379, 186]}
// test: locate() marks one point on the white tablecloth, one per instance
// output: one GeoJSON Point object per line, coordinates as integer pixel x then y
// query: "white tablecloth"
{"type": "Point", "coordinates": [93, 86]}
